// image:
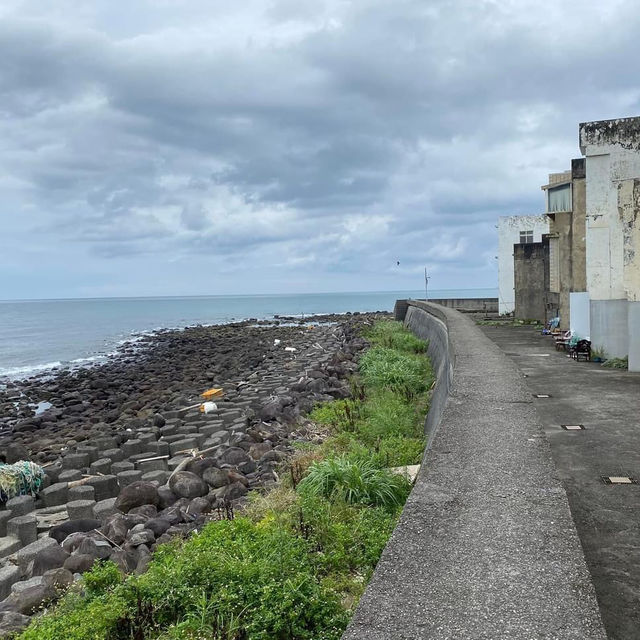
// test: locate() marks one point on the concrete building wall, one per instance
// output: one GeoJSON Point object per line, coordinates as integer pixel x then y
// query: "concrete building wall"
{"type": "Point", "coordinates": [633, 321]}
{"type": "Point", "coordinates": [509, 228]}
{"type": "Point", "coordinates": [612, 150]}
{"type": "Point", "coordinates": [530, 275]}
{"type": "Point", "coordinates": [580, 321]}
{"type": "Point", "coordinates": [578, 227]}
{"type": "Point", "coordinates": [567, 242]}
{"type": "Point", "coordinates": [609, 327]}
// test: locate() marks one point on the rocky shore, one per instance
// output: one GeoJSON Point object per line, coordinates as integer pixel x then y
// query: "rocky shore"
{"type": "Point", "coordinates": [130, 462]}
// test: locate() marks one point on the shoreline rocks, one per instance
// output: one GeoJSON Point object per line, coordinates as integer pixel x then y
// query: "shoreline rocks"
{"type": "Point", "coordinates": [118, 441]}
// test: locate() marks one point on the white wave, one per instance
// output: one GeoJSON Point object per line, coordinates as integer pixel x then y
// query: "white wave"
{"type": "Point", "coordinates": [88, 359]}
{"type": "Point", "coordinates": [22, 372]}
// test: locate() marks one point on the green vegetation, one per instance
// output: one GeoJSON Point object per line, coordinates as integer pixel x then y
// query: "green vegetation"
{"type": "Point", "coordinates": [296, 563]}
{"type": "Point", "coordinates": [617, 363]}
{"type": "Point", "coordinates": [355, 481]}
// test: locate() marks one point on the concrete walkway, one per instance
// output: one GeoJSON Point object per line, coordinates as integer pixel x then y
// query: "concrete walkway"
{"type": "Point", "coordinates": [607, 517]}
{"type": "Point", "coordinates": [485, 548]}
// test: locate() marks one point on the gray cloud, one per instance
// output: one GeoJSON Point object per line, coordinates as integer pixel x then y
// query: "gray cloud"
{"type": "Point", "coordinates": [322, 141]}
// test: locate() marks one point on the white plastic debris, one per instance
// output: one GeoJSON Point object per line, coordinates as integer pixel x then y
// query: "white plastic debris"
{"type": "Point", "coordinates": [208, 407]}
{"type": "Point", "coordinates": [290, 349]}
{"type": "Point", "coordinates": [276, 342]}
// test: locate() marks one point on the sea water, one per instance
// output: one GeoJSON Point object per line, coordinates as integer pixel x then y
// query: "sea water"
{"type": "Point", "coordinates": [43, 335]}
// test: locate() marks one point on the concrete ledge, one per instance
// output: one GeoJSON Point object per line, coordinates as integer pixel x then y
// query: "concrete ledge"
{"type": "Point", "coordinates": [486, 546]}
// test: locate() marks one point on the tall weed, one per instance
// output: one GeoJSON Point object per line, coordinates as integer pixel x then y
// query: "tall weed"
{"type": "Point", "coordinates": [355, 481]}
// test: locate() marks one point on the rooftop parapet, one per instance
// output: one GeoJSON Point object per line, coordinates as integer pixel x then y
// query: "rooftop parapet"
{"type": "Point", "coordinates": [621, 132]}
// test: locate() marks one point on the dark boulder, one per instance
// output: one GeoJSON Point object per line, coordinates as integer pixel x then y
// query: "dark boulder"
{"type": "Point", "coordinates": [50, 558]}
{"type": "Point", "coordinates": [116, 528]}
{"type": "Point", "coordinates": [79, 562]}
{"type": "Point", "coordinates": [135, 495]}
{"type": "Point", "coordinates": [216, 477]}
{"type": "Point", "coordinates": [234, 457]}
{"type": "Point", "coordinates": [157, 525]}
{"type": "Point", "coordinates": [188, 485]}
{"type": "Point", "coordinates": [12, 622]}
{"type": "Point", "coordinates": [61, 531]}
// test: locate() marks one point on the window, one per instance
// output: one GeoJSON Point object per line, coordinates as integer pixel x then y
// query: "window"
{"type": "Point", "coordinates": [559, 199]}
{"type": "Point", "coordinates": [526, 237]}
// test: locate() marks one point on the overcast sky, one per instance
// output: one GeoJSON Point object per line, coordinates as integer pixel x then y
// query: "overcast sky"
{"type": "Point", "coordinates": [167, 147]}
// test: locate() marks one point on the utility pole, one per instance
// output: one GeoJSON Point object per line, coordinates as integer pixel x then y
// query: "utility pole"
{"type": "Point", "coordinates": [426, 284]}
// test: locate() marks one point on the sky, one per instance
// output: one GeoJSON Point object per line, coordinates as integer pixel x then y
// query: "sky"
{"type": "Point", "coordinates": [196, 147]}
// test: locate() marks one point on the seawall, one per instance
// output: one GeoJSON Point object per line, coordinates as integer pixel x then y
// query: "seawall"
{"type": "Point", "coordinates": [486, 546]}
{"type": "Point", "coordinates": [466, 305]}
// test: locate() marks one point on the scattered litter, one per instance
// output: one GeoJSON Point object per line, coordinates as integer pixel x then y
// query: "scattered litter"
{"type": "Point", "coordinates": [211, 393]}
{"type": "Point", "coordinates": [276, 342]}
{"type": "Point", "coordinates": [290, 349]}
{"type": "Point", "coordinates": [208, 407]}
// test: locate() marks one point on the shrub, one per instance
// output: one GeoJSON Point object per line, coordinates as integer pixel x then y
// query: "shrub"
{"type": "Point", "coordinates": [355, 481]}
{"type": "Point", "coordinates": [233, 580]}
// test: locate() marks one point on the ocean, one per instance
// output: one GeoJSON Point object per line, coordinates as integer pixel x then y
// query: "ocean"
{"type": "Point", "coordinates": [43, 335]}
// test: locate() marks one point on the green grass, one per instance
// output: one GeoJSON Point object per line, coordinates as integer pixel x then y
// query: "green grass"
{"type": "Point", "coordinates": [617, 363]}
{"type": "Point", "coordinates": [234, 580]}
{"type": "Point", "coordinates": [355, 481]}
{"type": "Point", "coordinates": [384, 369]}
{"type": "Point", "coordinates": [392, 335]}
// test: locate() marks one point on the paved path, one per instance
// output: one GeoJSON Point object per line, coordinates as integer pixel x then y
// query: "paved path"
{"type": "Point", "coordinates": [607, 403]}
{"type": "Point", "coordinates": [485, 548]}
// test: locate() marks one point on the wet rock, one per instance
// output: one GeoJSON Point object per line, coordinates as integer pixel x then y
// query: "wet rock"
{"type": "Point", "coordinates": [137, 494]}
{"type": "Point", "coordinates": [157, 525]}
{"type": "Point", "coordinates": [166, 497]}
{"type": "Point", "coordinates": [58, 579]}
{"type": "Point", "coordinates": [216, 477]}
{"type": "Point", "coordinates": [146, 511]}
{"type": "Point", "coordinates": [231, 492]}
{"type": "Point", "coordinates": [185, 484]}
{"type": "Point", "coordinates": [125, 560]}
{"type": "Point", "coordinates": [49, 559]}
{"type": "Point", "coordinates": [61, 531]}
{"type": "Point", "coordinates": [234, 457]}
{"type": "Point", "coordinates": [79, 562]}
{"type": "Point", "coordinates": [33, 598]}
{"type": "Point", "coordinates": [199, 466]}
{"type": "Point", "coordinates": [146, 536]}
{"type": "Point", "coordinates": [199, 506]}
{"type": "Point", "coordinates": [116, 528]}
{"type": "Point", "coordinates": [12, 622]}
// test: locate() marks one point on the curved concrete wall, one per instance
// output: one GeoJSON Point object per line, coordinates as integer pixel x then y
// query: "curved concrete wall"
{"type": "Point", "coordinates": [485, 547]}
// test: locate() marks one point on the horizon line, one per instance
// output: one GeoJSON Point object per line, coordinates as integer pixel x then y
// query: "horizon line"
{"type": "Point", "coordinates": [229, 295]}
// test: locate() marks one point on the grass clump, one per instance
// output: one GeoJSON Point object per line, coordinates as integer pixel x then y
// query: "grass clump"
{"type": "Point", "coordinates": [617, 363]}
{"type": "Point", "coordinates": [407, 374]}
{"type": "Point", "coordinates": [392, 335]}
{"type": "Point", "coordinates": [355, 481]}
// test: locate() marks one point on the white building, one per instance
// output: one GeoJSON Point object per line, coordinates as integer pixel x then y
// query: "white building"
{"type": "Point", "coordinates": [514, 230]}
{"type": "Point", "coordinates": [612, 150]}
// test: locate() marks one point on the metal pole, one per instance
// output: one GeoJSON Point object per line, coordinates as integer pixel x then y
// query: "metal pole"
{"type": "Point", "coordinates": [426, 284]}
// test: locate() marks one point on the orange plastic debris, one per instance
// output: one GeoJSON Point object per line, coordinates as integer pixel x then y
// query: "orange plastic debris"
{"type": "Point", "coordinates": [211, 393]}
